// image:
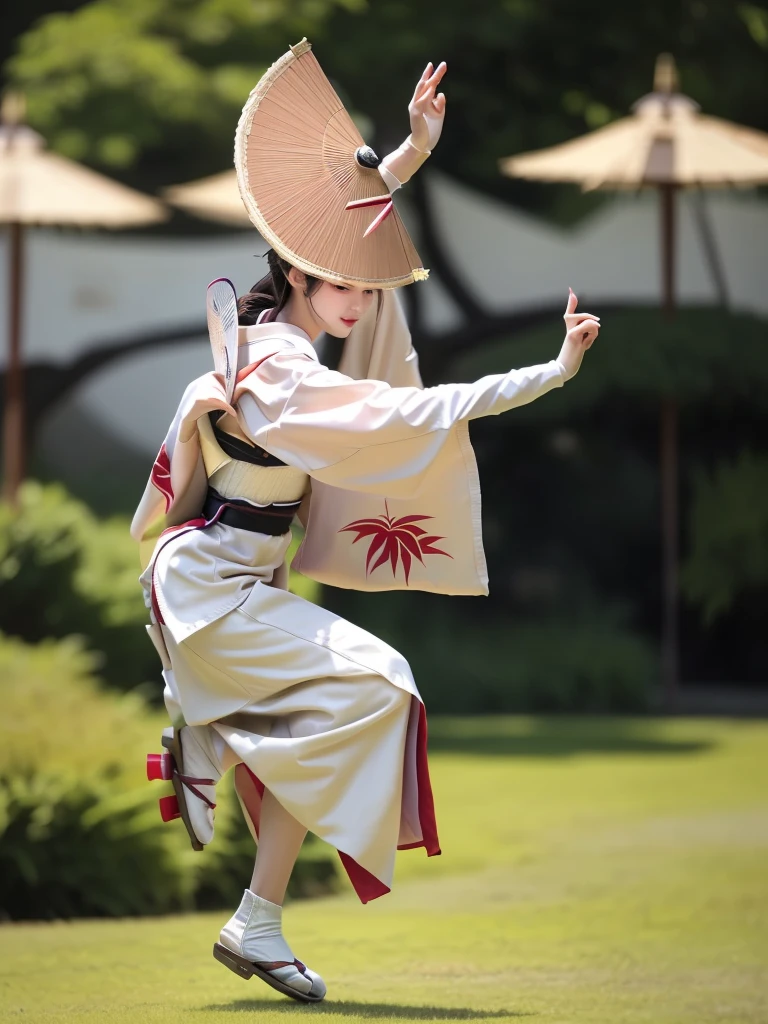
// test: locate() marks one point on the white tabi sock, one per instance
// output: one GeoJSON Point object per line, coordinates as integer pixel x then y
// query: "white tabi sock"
{"type": "Point", "coordinates": [256, 931]}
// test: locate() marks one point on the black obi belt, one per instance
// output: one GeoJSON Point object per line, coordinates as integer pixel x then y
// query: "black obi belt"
{"type": "Point", "coordinates": [274, 520]}
{"type": "Point", "coordinates": [240, 450]}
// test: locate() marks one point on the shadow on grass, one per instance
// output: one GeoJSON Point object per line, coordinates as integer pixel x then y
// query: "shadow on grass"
{"type": "Point", "coordinates": [508, 736]}
{"type": "Point", "coordinates": [376, 1011]}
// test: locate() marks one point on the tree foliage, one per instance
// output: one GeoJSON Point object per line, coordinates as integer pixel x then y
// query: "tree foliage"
{"type": "Point", "coordinates": [157, 85]}
{"type": "Point", "coordinates": [120, 80]}
{"type": "Point", "coordinates": [729, 530]}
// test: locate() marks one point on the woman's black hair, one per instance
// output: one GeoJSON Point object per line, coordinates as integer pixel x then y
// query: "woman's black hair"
{"type": "Point", "coordinates": [271, 292]}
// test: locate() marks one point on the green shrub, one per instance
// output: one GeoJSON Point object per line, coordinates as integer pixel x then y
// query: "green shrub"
{"type": "Point", "coordinates": [74, 849]}
{"type": "Point", "coordinates": [80, 831]}
{"type": "Point", "coordinates": [56, 718]}
{"type": "Point", "coordinates": [542, 667]}
{"type": "Point", "coordinates": [465, 662]}
{"type": "Point", "coordinates": [64, 572]}
{"type": "Point", "coordinates": [729, 535]}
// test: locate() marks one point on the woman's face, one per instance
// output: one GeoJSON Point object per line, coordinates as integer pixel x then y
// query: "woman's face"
{"type": "Point", "coordinates": [340, 306]}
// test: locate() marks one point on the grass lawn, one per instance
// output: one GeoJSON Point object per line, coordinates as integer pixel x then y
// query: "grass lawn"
{"type": "Point", "coordinates": [593, 872]}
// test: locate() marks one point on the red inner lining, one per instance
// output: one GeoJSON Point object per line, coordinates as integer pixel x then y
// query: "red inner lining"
{"type": "Point", "coordinates": [367, 886]}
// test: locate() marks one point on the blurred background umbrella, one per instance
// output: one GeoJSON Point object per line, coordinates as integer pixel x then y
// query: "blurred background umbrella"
{"type": "Point", "coordinates": [666, 144]}
{"type": "Point", "coordinates": [216, 198]}
{"type": "Point", "coordinates": [41, 188]}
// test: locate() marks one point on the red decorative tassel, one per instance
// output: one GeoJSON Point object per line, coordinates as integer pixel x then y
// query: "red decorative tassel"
{"type": "Point", "coordinates": [159, 766]}
{"type": "Point", "coordinates": [169, 808]}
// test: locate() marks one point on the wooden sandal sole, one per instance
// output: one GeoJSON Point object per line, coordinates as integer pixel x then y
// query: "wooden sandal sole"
{"type": "Point", "coordinates": [173, 745]}
{"type": "Point", "coordinates": [245, 969]}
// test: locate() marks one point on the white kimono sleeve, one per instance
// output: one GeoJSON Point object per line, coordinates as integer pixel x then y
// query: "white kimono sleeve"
{"type": "Point", "coordinates": [314, 418]}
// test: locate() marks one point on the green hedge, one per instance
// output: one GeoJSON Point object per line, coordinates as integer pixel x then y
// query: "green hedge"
{"type": "Point", "coordinates": [80, 831]}
{"type": "Point", "coordinates": [539, 667]}
{"type": "Point", "coordinates": [64, 572]}
{"type": "Point", "coordinates": [729, 535]}
{"type": "Point", "coordinates": [468, 662]}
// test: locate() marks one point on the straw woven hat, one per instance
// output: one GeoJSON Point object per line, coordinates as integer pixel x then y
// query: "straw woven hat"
{"type": "Point", "coordinates": [300, 163]}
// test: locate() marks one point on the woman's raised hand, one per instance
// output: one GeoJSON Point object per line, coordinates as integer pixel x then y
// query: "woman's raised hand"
{"type": "Point", "coordinates": [208, 394]}
{"type": "Point", "coordinates": [426, 112]}
{"type": "Point", "coordinates": [427, 109]}
{"type": "Point", "coordinates": [581, 331]}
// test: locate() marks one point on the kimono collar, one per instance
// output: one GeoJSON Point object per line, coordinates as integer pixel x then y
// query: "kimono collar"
{"type": "Point", "coordinates": [255, 341]}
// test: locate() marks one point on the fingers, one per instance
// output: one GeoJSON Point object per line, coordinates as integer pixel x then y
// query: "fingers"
{"type": "Point", "coordinates": [431, 79]}
{"type": "Point", "coordinates": [571, 319]}
{"type": "Point", "coordinates": [437, 77]}
{"type": "Point", "coordinates": [584, 333]}
{"type": "Point", "coordinates": [425, 89]}
{"type": "Point", "coordinates": [420, 84]}
{"type": "Point", "coordinates": [589, 329]}
{"type": "Point", "coordinates": [574, 319]}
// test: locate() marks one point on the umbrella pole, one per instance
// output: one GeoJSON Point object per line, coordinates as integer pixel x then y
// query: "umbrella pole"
{"type": "Point", "coordinates": [13, 414]}
{"type": "Point", "coordinates": [669, 447]}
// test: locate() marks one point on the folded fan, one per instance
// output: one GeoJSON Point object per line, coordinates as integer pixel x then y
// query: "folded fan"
{"type": "Point", "coordinates": [221, 307]}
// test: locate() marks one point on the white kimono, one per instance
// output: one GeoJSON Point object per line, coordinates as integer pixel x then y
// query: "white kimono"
{"type": "Point", "coordinates": [320, 712]}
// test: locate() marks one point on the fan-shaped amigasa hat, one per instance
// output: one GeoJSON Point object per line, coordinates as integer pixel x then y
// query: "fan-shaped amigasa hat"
{"type": "Point", "coordinates": [310, 184]}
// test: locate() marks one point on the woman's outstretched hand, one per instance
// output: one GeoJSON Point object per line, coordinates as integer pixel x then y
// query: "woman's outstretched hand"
{"type": "Point", "coordinates": [427, 109]}
{"type": "Point", "coordinates": [581, 331]}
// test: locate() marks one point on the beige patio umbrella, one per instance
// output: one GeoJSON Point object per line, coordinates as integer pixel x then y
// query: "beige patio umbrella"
{"type": "Point", "coordinates": [42, 188]}
{"type": "Point", "coordinates": [666, 144]}
{"type": "Point", "coordinates": [216, 198]}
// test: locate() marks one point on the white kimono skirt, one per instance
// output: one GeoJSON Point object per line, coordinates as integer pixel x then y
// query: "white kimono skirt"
{"type": "Point", "coordinates": [320, 712]}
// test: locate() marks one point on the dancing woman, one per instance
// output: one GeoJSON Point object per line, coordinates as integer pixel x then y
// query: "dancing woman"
{"type": "Point", "coordinates": [321, 721]}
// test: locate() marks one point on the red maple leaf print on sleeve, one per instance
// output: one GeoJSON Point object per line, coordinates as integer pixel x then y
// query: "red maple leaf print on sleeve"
{"type": "Point", "coordinates": [161, 476]}
{"type": "Point", "coordinates": [395, 539]}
